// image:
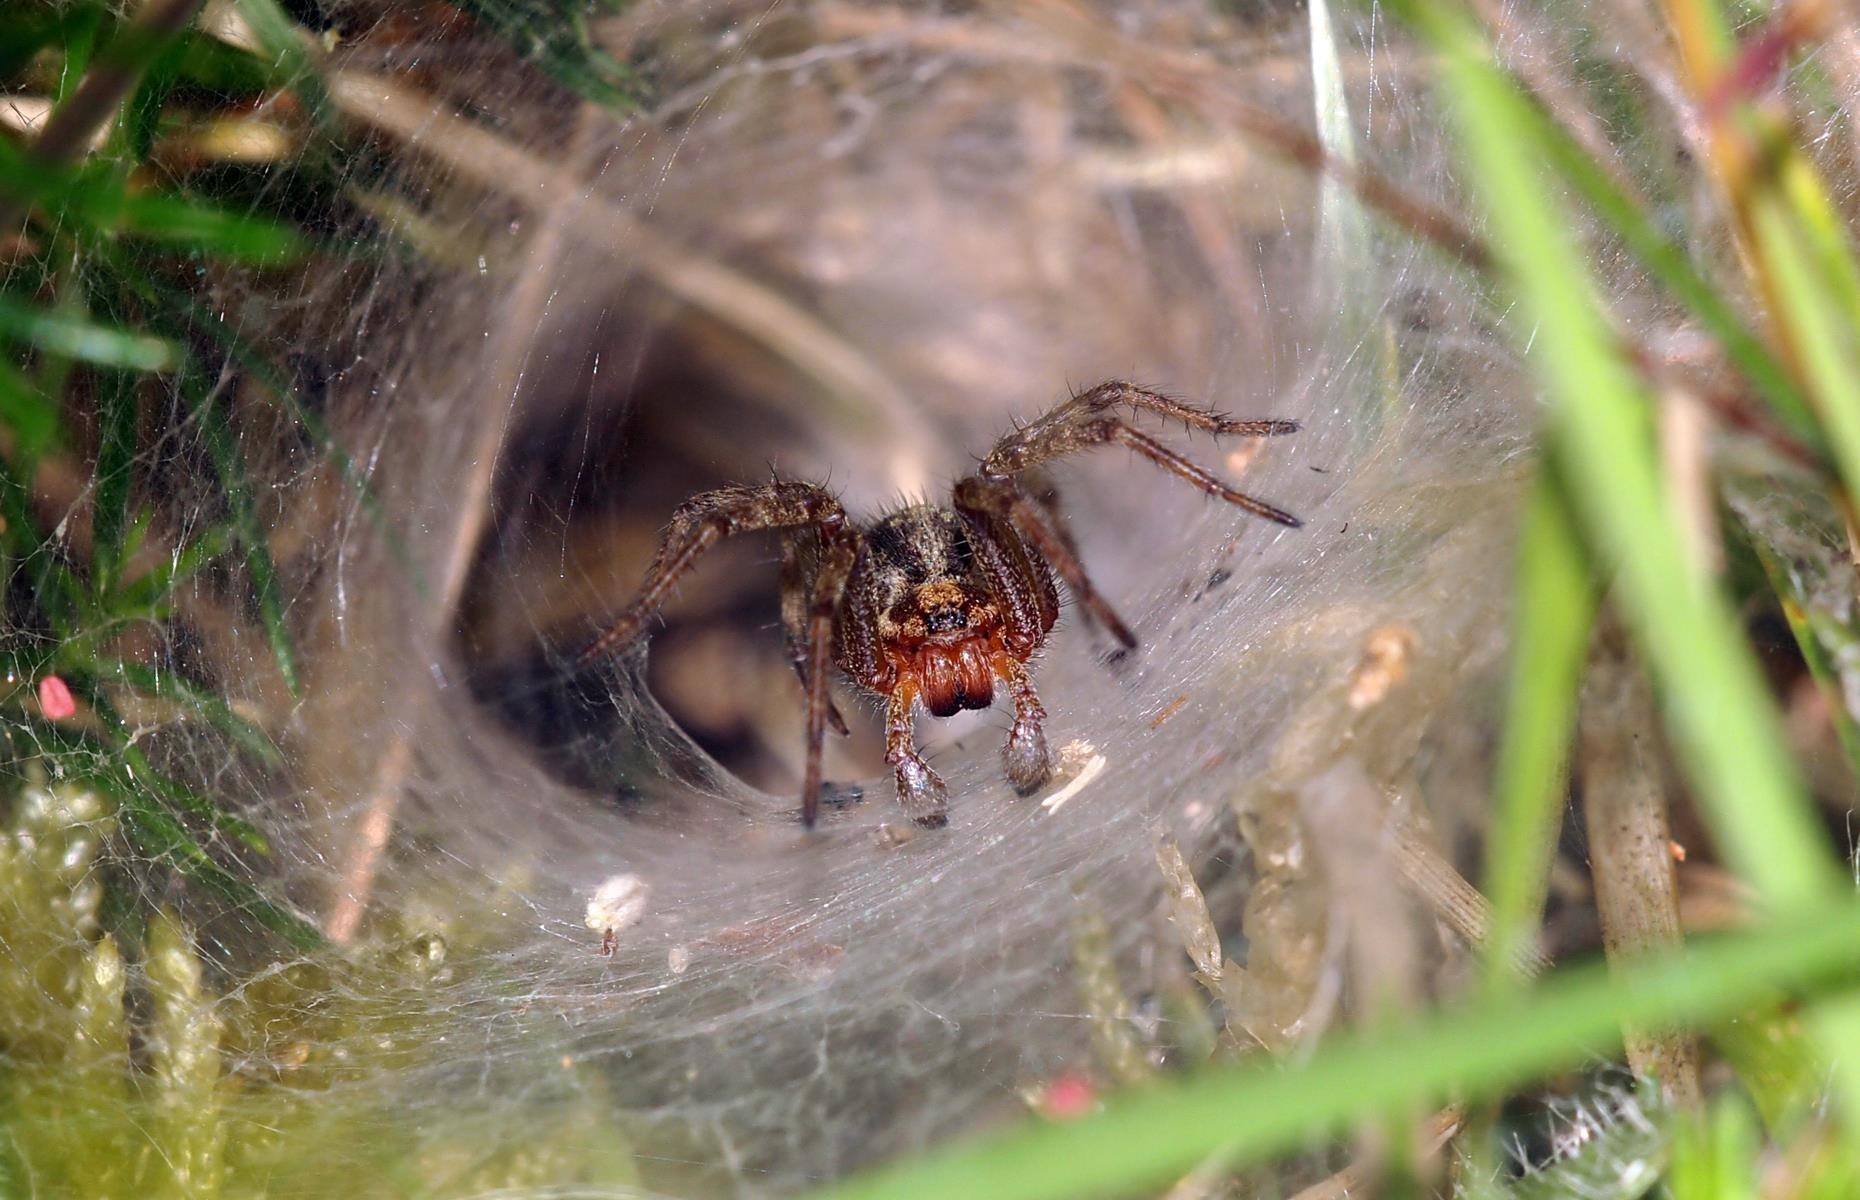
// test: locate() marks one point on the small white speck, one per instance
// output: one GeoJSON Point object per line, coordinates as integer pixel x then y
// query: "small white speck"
{"type": "Point", "coordinates": [620, 902]}
{"type": "Point", "coordinates": [1094, 765]}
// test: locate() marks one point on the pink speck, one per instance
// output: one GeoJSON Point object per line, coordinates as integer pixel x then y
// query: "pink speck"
{"type": "Point", "coordinates": [1070, 1095]}
{"type": "Point", "coordinates": [55, 699]}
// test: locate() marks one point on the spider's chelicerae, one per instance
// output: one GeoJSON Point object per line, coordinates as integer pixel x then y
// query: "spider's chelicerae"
{"type": "Point", "coordinates": [934, 604]}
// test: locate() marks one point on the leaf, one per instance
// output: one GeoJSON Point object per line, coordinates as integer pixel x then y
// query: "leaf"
{"type": "Point", "coordinates": [190, 222]}
{"type": "Point", "coordinates": [557, 37]}
{"type": "Point", "coordinates": [141, 597]}
{"type": "Point", "coordinates": [116, 454]}
{"type": "Point", "coordinates": [26, 29]}
{"type": "Point", "coordinates": [161, 837]}
{"type": "Point", "coordinates": [88, 341]}
{"type": "Point", "coordinates": [170, 685]}
{"type": "Point", "coordinates": [1729, 736]}
{"type": "Point", "coordinates": [1555, 607]}
{"type": "Point", "coordinates": [1728, 732]}
{"type": "Point", "coordinates": [287, 52]}
{"type": "Point", "coordinates": [141, 119]}
{"type": "Point", "coordinates": [1147, 1136]}
{"type": "Point", "coordinates": [1669, 263]}
{"type": "Point", "coordinates": [30, 415]}
{"type": "Point", "coordinates": [231, 471]}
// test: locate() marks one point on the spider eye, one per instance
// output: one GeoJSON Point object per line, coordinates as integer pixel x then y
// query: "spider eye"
{"type": "Point", "coordinates": [946, 620]}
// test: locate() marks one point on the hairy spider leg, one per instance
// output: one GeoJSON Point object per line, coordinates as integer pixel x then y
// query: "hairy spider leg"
{"type": "Point", "coordinates": [920, 790]}
{"type": "Point", "coordinates": [1082, 423]}
{"type": "Point", "coordinates": [1116, 391]}
{"type": "Point", "coordinates": [795, 569]}
{"type": "Point", "coordinates": [704, 520]}
{"type": "Point", "coordinates": [1111, 429]}
{"type": "Point", "coordinates": [1003, 500]}
{"type": "Point", "coordinates": [1024, 755]}
{"type": "Point", "coordinates": [839, 551]}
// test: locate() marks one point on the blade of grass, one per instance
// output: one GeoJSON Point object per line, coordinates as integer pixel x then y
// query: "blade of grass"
{"type": "Point", "coordinates": [226, 235]}
{"type": "Point", "coordinates": [230, 468]}
{"type": "Point", "coordinates": [1554, 611]}
{"type": "Point", "coordinates": [1810, 308]}
{"type": "Point", "coordinates": [170, 685]}
{"type": "Point", "coordinates": [144, 598]}
{"type": "Point", "coordinates": [1669, 263]}
{"type": "Point", "coordinates": [24, 30]}
{"type": "Point", "coordinates": [55, 591]}
{"type": "Point", "coordinates": [142, 115]}
{"type": "Point", "coordinates": [1727, 729]}
{"type": "Point", "coordinates": [112, 476]}
{"type": "Point", "coordinates": [97, 199]}
{"type": "Point", "coordinates": [287, 49]}
{"type": "Point", "coordinates": [1818, 612]}
{"type": "Point", "coordinates": [76, 337]}
{"type": "Point", "coordinates": [557, 38]}
{"type": "Point", "coordinates": [27, 413]}
{"type": "Point", "coordinates": [166, 840]}
{"type": "Point", "coordinates": [1144, 1137]}
{"type": "Point", "coordinates": [182, 309]}
{"type": "Point", "coordinates": [1791, 231]}
{"type": "Point", "coordinates": [135, 771]}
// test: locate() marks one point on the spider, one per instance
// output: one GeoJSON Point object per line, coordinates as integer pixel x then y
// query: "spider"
{"type": "Point", "coordinates": [932, 604]}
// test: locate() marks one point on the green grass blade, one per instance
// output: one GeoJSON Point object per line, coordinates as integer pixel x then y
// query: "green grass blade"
{"type": "Point", "coordinates": [186, 312]}
{"type": "Point", "coordinates": [143, 597]}
{"type": "Point", "coordinates": [164, 839]}
{"type": "Point", "coordinates": [134, 769]}
{"type": "Point", "coordinates": [114, 472]}
{"type": "Point", "coordinates": [1728, 732]}
{"type": "Point", "coordinates": [199, 226]}
{"type": "Point", "coordinates": [1809, 573]}
{"type": "Point", "coordinates": [170, 685]}
{"type": "Point", "coordinates": [1145, 1137]}
{"type": "Point", "coordinates": [55, 591]}
{"type": "Point", "coordinates": [80, 338]}
{"type": "Point", "coordinates": [27, 413]}
{"type": "Point", "coordinates": [141, 119]}
{"type": "Point", "coordinates": [287, 48]}
{"type": "Point", "coordinates": [1811, 307]}
{"type": "Point", "coordinates": [1669, 263]}
{"type": "Point", "coordinates": [1553, 611]}
{"type": "Point", "coordinates": [230, 468]}
{"type": "Point", "coordinates": [1729, 737]}
{"type": "Point", "coordinates": [556, 37]}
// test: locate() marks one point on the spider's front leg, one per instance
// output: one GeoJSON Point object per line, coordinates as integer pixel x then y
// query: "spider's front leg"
{"type": "Point", "coordinates": [920, 790]}
{"type": "Point", "coordinates": [704, 520]}
{"type": "Point", "coordinates": [1003, 501]}
{"type": "Point", "coordinates": [1028, 764]}
{"type": "Point", "coordinates": [1089, 420]}
{"type": "Point", "coordinates": [700, 523]}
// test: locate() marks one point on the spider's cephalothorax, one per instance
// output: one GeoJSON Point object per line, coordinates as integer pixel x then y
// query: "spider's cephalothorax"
{"type": "Point", "coordinates": [941, 606]}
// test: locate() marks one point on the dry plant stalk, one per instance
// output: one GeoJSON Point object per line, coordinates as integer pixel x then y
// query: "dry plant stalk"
{"type": "Point", "coordinates": [1636, 886]}
{"type": "Point", "coordinates": [537, 264]}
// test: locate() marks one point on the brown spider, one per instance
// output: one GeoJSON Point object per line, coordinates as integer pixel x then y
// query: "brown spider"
{"type": "Point", "coordinates": [933, 604]}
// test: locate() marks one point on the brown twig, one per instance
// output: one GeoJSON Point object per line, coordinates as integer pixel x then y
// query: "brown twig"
{"type": "Point", "coordinates": [470, 513]}
{"type": "Point", "coordinates": [1084, 41]}
{"type": "Point", "coordinates": [1630, 847]}
{"type": "Point", "coordinates": [475, 153]}
{"type": "Point", "coordinates": [105, 86]}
